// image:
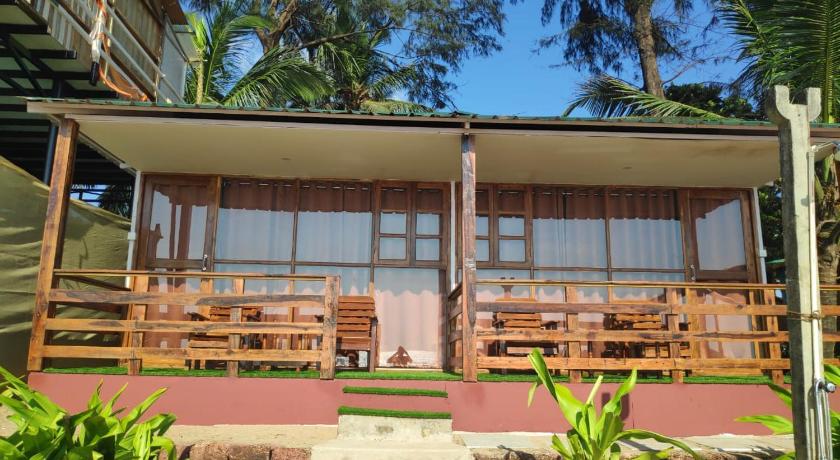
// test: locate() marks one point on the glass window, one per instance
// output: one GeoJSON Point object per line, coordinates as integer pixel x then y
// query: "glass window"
{"type": "Point", "coordinates": [392, 248]}
{"type": "Point", "coordinates": [512, 226]}
{"type": "Point", "coordinates": [178, 221]}
{"type": "Point", "coordinates": [645, 230]}
{"type": "Point", "coordinates": [569, 229]}
{"type": "Point", "coordinates": [720, 240]}
{"type": "Point", "coordinates": [482, 250]}
{"type": "Point", "coordinates": [512, 250]}
{"type": "Point", "coordinates": [392, 222]}
{"type": "Point", "coordinates": [334, 224]}
{"type": "Point", "coordinates": [354, 280]}
{"type": "Point", "coordinates": [645, 294]}
{"type": "Point", "coordinates": [482, 226]}
{"type": "Point", "coordinates": [427, 249]}
{"type": "Point", "coordinates": [256, 221]}
{"type": "Point", "coordinates": [428, 224]}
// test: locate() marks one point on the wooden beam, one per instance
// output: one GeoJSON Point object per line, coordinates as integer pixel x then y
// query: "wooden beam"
{"type": "Point", "coordinates": [332, 289]}
{"type": "Point", "coordinates": [53, 242]}
{"type": "Point", "coordinates": [468, 294]}
{"type": "Point", "coordinates": [137, 313]}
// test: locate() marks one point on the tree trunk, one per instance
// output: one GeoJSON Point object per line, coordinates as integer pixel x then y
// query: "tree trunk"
{"type": "Point", "coordinates": [827, 263]}
{"type": "Point", "coordinates": [640, 11]}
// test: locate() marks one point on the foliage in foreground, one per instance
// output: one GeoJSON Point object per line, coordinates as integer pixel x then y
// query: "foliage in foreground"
{"type": "Point", "coordinates": [594, 436]}
{"type": "Point", "coordinates": [45, 431]}
{"type": "Point", "coordinates": [781, 425]}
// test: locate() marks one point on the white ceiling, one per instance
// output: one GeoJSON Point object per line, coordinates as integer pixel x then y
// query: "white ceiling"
{"type": "Point", "coordinates": [356, 152]}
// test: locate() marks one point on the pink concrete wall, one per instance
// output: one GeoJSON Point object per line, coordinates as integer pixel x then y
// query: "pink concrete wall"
{"type": "Point", "coordinates": [672, 409]}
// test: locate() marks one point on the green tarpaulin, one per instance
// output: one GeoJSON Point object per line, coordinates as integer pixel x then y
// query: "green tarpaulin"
{"type": "Point", "coordinates": [94, 238]}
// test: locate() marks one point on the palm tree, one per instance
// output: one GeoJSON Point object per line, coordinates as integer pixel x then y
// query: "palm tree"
{"type": "Point", "coordinates": [788, 42]}
{"type": "Point", "coordinates": [277, 78]}
{"type": "Point", "coordinates": [365, 77]}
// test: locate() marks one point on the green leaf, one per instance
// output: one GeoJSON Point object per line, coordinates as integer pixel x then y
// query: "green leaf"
{"type": "Point", "coordinates": [776, 423]}
{"type": "Point", "coordinates": [644, 434]}
{"type": "Point", "coordinates": [782, 393]}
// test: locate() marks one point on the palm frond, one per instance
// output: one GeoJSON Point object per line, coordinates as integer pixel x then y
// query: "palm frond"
{"type": "Point", "coordinates": [605, 96]}
{"type": "Point", "coordinates": [278, 77]}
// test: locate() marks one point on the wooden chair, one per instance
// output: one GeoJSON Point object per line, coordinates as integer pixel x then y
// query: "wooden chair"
{"type": "Point", "coordinates": [357, 328]}
{"type": "Point", "coordinates": [521, 322]}
{"type": "Point", "coordinates": [640, 322]}
{"type": "Point", "coordinates": [215, 340]}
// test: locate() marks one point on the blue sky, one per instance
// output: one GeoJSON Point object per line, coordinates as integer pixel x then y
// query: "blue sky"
{"type": "Point", "coordinates": [517, 81]}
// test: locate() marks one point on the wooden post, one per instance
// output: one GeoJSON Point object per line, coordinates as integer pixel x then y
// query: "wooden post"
{"type": "Point", "coordinates": [468, 291]}
{"type": "Point", "coordinates": [797, 165]}
{"type": "Point", "coordinates": [52, 244]}
{"type": "Point", "coordinates": [234, 340]}
{"type": "Point", "coordinates": [573, 325]}
{"type": "Point", "coordinates": [138, 313]}
{"type": "Point", "coordinates": [673, 320]}
{"type": "Point", "coordinates": [775, 348]}
{"type": "Point", "coordinates": [332, 288]}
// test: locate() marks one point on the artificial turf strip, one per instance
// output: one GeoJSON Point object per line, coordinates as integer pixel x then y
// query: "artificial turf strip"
{"type": "Point", "coordinates": [405, 375]}
{"type": "Point", "coordinates": [347, 410]}
{"type": "Point", "coordinates": [395, 391]}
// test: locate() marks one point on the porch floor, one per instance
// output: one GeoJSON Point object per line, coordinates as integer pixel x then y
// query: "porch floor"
{"type": "Point", "coordinates": [406, 374]}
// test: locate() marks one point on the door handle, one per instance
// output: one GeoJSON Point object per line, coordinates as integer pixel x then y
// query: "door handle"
{"type": "Point", "coordinates": [693, 272]}
{"type": "Point", "coordinates": [204, 263]}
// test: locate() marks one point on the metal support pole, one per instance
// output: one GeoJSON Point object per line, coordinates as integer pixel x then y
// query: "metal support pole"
{"type": "Point", "coordinates": [797, 168]}
{"type": "Point", "coordinates": [53, 135]}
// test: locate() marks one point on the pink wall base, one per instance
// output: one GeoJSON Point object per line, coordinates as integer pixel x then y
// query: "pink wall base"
{"type": "Point", "coordinates": [671, 409]}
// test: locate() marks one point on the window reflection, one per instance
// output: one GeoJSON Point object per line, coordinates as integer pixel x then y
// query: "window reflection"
{"type": "Point", "coordinates": [178, 220]}
{"type": "Point", "coordinates": [717, 222]}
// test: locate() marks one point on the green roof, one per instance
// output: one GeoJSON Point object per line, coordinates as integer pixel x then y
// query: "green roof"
{"type": "Point", "coordinates": [466, 116]}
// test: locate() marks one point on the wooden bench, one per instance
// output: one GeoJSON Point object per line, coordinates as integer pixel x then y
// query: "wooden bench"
{"type": "Point", "coordinates": [357, 327]}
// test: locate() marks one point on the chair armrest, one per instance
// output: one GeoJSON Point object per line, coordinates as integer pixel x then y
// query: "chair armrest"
{"type": "Point", "coordinates": [195, 316]}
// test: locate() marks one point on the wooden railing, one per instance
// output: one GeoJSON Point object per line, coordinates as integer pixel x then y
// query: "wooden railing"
{"type": "Point", "coordinates": [453, 334]}
{"type": "Point", "coordinates": [103, 290]}
{"type": "Point", "coordinates": [679, 335]}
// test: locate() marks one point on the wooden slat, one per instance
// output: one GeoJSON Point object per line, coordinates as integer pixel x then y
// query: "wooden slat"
{"type": "Point", "coordinates": [572, 324]}
{"type": "Point", "coordinates": [587, 335]}
{"type": "Point", "coordinates": [188, 274]}
{"type": "Point", "coordinates": [221, 354]}
{"type": "Point", "coordinates": [235, 339]}
{"type": "Point", "coordinates": [487, 362]}
{"type": "Point", "coordinates": [673, 322]}
{"type": "Point", "coordinates": [198, 327]}
{"type": "Point", "coordinates": [52, 242]}
{"type": "Point", "coordinates": [642, 308]}
{"type": "Point", "coordinates": [138, 313]}
{"type": "Point", "coordinates": [68, 296]}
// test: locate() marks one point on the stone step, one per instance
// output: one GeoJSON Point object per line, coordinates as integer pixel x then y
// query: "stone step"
{"type": "Point", "coordinates": [362, 449]}
{"type": "Point", "coordinates": [376, 428]}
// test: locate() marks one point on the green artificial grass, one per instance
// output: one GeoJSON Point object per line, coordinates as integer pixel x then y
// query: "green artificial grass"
{"type": "Point", "coordinates": [406, 375]}
{"type": "Point", "coordinates": [347, 410]}
{"type": "Point", "coordinates": [395, 391]}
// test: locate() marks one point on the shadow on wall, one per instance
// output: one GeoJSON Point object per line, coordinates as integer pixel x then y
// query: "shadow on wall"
{"type": "Point", "coordinates": [94, 238]}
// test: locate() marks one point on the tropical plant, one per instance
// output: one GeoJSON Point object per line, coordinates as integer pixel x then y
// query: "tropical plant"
{"type": "Point", "coordinates": [364, 75]}
{"type": "Point", "coordinates": [278, 77]}
{"type": "Point", "coordinates": [599, 34]}
{"type": "Point", "coordinates": [782, 425]}
{"type": "Point", "coordinates": [594, 436]}
{"type": "Point", "coordinates": [45, 431]}
{"type": "Point", "coordinates": [435, 36]}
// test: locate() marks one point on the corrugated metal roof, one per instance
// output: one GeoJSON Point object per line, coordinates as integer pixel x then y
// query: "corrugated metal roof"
{"type": "Point", "coordinates": [466, 116]}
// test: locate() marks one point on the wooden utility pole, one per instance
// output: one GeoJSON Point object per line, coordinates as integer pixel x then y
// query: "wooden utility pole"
{"type": "Point", "coordinates": [804, 319]}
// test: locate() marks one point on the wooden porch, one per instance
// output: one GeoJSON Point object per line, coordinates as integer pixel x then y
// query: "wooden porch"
{"type": "Point", "coordinates": [663, 327]}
